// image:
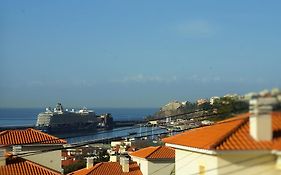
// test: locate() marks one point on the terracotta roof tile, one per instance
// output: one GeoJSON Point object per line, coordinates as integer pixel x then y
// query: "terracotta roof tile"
{"type": "Point", "coordinates": [68, 162]}
{"type": "Point", "coordinates": [158, 152]}
{"type": "Point", "coordinates": [21, 166]}
{"type": "Point", "coordinates": [277, 144]}
{"type": "Point", "coordinates": [108, 168]}
{"type": "Point", "coordinates": [64, 154]}
{"type": "Point", "coordinates": [28, 136]}
{"type": "Point", "coordinates": [231, 134]}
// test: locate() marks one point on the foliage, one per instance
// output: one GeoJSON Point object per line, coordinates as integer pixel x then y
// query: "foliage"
{"type": "Point", "coordinates": [224, 107]}
{"type": "Point", "coordinates": [103, 156]}
{"type": "Point", "coordinates": [205, 106]}
{"type": "Point", "coordinates": [75, 166]}
{"type": "Point", "coordinates": [228, 105]}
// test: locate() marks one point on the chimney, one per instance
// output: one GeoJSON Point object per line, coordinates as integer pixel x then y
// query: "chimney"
{"type": "Point", "coordinates": [2, 157]}
{"type": "Point", "coordinates": [90, 162]}
{"type": "Point", "coordinates": [124, 162]}
{"type": "Point", "coordinates": [260, 118]}
{"type": "Point", "coordinates": [278, 161]}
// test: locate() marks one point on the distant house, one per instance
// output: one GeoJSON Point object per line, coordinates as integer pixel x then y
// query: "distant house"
{"type": "Point", "coordinates": [214, 99]}
{"type": "Point", "coordinates": [119, 148]}
{"type": "Point", "coordinates": [153, 122]}
{"type": "Point", "coordinates": [125, 167]}
{"type": "Point", "coordinates": [30, 144]}
{"type": "Point", "coordinates": [173, 105]}
{"type": "Point", "coordinates": [246, 144]}
{"type": "Point", "coordinates": [67, 159]}
{"type": "Point", "coordinates": [159, 160]}
{"type": "Point", "coordinates": [202, 102]}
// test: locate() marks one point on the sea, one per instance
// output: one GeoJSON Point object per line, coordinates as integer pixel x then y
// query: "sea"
{"type": "Point", "coordinates": [10, 117]}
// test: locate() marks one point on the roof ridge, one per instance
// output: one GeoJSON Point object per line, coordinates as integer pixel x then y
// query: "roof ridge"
{"type": "Point", "coordinates": [229, 133]}
{"type": "Point", "coordinates": [39, 137]}
{"type": "Point", "coordinates": [4, 132]}
{"type": "Point", "coordinates": [40, 166]}
{"type": "Point", "coordinates": [39, 132]}
{"type": "Point", "coordinates": [158, 147]}
{"type": "Point", "coordinates": [23, 160]}
{"type": "Point", "coordinates": [95, 167]}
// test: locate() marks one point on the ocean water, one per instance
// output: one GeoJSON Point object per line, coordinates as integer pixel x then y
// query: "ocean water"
{"type": "Point", "coordinates": [116, 132]}
{"type": "Point", "coordinates": [28, 116]}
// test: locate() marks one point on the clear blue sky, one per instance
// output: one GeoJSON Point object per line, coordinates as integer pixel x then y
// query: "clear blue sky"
{"type": "Point", "coordinates": [135, 53]}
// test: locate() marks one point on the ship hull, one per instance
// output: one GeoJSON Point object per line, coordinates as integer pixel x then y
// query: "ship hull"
{"type": "Point", "coordinates": [68, 128]}
{"type": "Point", "coordinates": [59, 121]}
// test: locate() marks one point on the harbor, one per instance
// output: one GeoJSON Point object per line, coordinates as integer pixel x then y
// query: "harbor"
{"type": "Point", "coordinates": [21, 119]}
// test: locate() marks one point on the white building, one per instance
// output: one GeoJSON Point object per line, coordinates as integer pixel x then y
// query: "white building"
{"type": "Point", "coordinates": [213, 99]}
{"type": "Point", "coordinates": [246, 144]}
{"type": "Point", "coordinates": [158, 160]}
{"type": "Point", "coordinates": [33, 142]}
{"type": "Point", "coordinates": [173, 105]}
{"type": "Point", "coordinates": [118, 148]}
{"type": "Point", "coordinates": [202, 102]}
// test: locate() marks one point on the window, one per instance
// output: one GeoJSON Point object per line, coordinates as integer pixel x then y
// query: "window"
{"type": "Point", "coordinates": [202, 170]}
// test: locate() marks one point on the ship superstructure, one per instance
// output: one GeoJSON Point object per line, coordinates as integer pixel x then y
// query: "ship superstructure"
{"type": "Point", "coordinates": [59, 120]}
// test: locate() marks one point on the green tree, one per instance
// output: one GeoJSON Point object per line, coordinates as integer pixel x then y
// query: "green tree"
{"type": "Point", "coordinates": [75, 166]}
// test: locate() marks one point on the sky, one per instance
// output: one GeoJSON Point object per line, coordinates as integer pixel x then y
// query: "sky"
{"type": "Point", "coordinates": [135, 53]}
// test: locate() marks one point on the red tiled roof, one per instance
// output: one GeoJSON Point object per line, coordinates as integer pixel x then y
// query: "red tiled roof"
{"type": "Point", "coordinates": [68, 162]}
{"type": "Point", "coordinates": [277, 144]}
{"type": "Point", "coordinates": [20, 166]}
{"type": "Point", "coordinates": [158, 152]}
{"type": "Point", "coordinates": [64, 154]}
{"type": "Point", "coordinates": [231, 134]}
{"type": "Point", "coordinates": [108, 168]}
{"type": "Point", "coordinates": [27, 136]}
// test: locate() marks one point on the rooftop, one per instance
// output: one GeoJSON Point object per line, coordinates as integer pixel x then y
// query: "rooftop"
{"type": "Point", "coordinates": [158, 152]}
{"type": "Point", "coordinates": [27, 136]}
{"type": "Point", "coordinates": [68, 162]}
{"type": "Point", "coordinates": [20, 166]}
{"type": "Point", "coordinates": [231, 134]}
{"type": "Point", "coordinates": [106, 168]}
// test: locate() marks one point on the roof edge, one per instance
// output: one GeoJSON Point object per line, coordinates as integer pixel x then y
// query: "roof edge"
{"type": "Point", "coordinates": [23, 160]}
{"type": "Point", "coordinates": [55, 138]}
{"type": "Point", "coordinates": [157, 148]}
{"type": "Point", "coordinates": [192, 149]}
{"type": "Point", "coordinates": [42, 166]}
{"type": "Point", "coordinates": [229, 133]}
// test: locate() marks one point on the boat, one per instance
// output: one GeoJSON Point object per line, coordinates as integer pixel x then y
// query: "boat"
{"type": "Point", "coordinates": [58, 120]}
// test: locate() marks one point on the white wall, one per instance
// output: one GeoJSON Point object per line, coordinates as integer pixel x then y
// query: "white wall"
{"type": "Point", "coordinates": [113, 158]}
{"type": "Point", "coordinates": [2, 157]}
{"type": "Point", "coordinates": [143, 163]}
{"type": "Point", "coordinates": [229, 162]}
{"type": "Point", "coordinates": [160, 168]}
{"type": "Point", "coordinates": [50, 159]}
{"type": "Point", "coordinates": [251, 163]}
{"type": "Point", "coordinates": [114, 143]}
{"type": "Point", "coordinates": [154, 167]}
{"type": "Point", "coordinates": [187, 162]}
